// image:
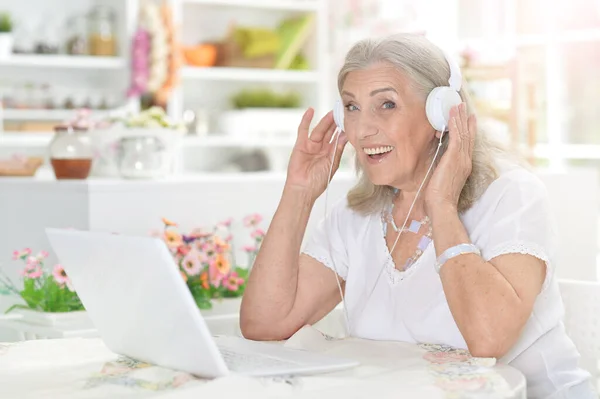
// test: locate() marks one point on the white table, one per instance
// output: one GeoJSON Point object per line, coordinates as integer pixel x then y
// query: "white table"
{"type": "Point", "coordinates": [218, 324]}
{"type": "Point", "coordinates": [80, 368]}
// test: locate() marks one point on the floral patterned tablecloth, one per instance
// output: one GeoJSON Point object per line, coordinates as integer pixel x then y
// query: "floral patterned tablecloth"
{"type": "Point", "coordinates": [85, 369]}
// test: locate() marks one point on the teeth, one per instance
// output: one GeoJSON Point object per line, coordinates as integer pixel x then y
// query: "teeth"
{"type": "Point", "coordinates": [378, 150]}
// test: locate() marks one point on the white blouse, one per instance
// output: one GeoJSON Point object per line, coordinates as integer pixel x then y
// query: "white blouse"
{"type": "Point", "coordinates": [512, 216]}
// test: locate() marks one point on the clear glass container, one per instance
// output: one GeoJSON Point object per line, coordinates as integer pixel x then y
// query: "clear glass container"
{"type": "Point", "coordinates": [77, 37]}
{"type": "Point", "coordinates": [71, 153]}
{"type": "Point", "coordinates": [102, 39]}
{"type": "Point", "coordinates": [142, 157]}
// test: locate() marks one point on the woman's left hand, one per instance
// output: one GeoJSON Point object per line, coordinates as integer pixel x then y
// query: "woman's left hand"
{"type": "Point", "coordinates": [454, 168]}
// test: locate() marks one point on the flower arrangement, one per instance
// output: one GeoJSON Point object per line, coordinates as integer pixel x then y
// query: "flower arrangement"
{"type": "Point", "coordinates": [43, 290]}
{"type": "Point", "coordinates": [252, 222]}
{"type": "Point", "coordinates": [206, 259]}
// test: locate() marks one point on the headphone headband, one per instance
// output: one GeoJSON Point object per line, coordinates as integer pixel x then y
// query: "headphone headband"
{"type": "Point", "coordinates": [455, 80]}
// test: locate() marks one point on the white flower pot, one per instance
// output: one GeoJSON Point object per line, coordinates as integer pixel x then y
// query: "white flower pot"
{"type": "Point", "coordinates": [224, 317]}
{"type": "Point", "coordinates": [78, 319]}
{"type": "Point", "coordinates": [224, 307]}
{"type": "Point", "coordinates": [252, 123]}
{"type": "Point", "coordinates": [6, 45]}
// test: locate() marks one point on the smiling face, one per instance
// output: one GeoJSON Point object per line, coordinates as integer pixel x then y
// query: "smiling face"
{"type": "Point", "coordinates": [385, 121]}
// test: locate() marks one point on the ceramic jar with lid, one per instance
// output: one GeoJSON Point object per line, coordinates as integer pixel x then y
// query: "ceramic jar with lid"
{"type": "Point", "coordinates": [143, 157]}
{"type": "Point", "coordinates": [71, 152]}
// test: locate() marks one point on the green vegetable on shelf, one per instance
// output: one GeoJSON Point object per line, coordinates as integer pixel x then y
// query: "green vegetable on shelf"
{"type": "Point", "coordinates": [263, 98]}
{"type": "Point", "coordinates": [293, 32]}
{"type": "Point", "coordinates": [257, 42]}
{"type": "Point", "coordinates": [6, 24]}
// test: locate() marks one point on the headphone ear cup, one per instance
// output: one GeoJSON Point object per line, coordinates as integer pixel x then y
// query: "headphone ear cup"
{"type": "Point", "coordinates": [439, 103]}
{"type": "Point", "coordinates": [338, 115]}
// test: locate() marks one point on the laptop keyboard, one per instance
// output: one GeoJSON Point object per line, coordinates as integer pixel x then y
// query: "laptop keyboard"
{"type": "Point", "coordinates": [237, 361]}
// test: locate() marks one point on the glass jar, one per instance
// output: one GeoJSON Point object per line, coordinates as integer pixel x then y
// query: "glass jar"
{"type": "Point", "coordinates": [71, 153]}
{"type": "Point", "coordinates": [102, 39]}
{"type": "Point", "coordinates": [76, 43]}
{"type": "Point", "coordinates": [142, 157]}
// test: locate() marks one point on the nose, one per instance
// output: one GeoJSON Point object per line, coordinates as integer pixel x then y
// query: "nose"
{"type": "Point", "coordinates": [366, 125]}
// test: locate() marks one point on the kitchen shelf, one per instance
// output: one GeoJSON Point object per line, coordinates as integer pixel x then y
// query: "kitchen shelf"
{"type": "Point", "coordinates": [248, 75]}
{"type": "Point", "coordinates": [225, 141]}
{"type": "Point", "coordinates": [25, 140]}
{"type": "Point", "coordinates": [63, 61]}
{"type": "Point", "coordinates": [47, 114]}
{"type": "Point", "coordinates": [290, 5]}
{"type": "Point", "coordinates": [39, 139]}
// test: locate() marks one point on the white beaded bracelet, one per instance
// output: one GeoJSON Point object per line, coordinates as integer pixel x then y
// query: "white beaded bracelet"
{"type": "Point", "coordinates": [455, 251]}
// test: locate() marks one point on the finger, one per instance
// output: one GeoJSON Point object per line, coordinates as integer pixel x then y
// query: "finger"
{"type": "Point", "coordinates": [464, 122]}
{"type": "Point", "coordinates": [304, 126]}
{"type": "Point", "coordinates": [454, 139]}
{"type": "Point", "coordinates": [472, 123]}
{"type": "Point", "coordinates": [322, 127]}
{"type": "Point", "coordinates": [455, 113]}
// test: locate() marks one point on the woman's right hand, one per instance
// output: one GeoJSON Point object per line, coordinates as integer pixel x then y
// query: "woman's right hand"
{"type": "Point", "coordinates": [311, 157]}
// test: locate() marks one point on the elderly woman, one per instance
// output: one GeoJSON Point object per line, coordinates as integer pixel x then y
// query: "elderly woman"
{"type": "Point", "coordinates": [473, 266]}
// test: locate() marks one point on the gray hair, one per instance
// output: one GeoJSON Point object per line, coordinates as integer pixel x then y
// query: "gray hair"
{"type": "Point", "coordinates": [426, 68]}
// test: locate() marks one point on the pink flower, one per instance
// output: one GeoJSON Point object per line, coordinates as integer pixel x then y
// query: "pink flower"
{"type": "Point", "coordinates": [21, 254]}
{"type": "Point", "coordinates": [252, 220]}
{"type": "Point", "coordinates": [202, 257]}
{"type": "Point", "coordinates": [208, 247]}
{"type": "Point", "coordinates": [60, 276]}
{"type": "Point", "coordinates": [233, 281]}
{"type": "Point", "coordinates": [258, 233]}
{"type": "Point", "coordinates": [42, 255]}
{"type": "Point", "coordinates": [215, 275]}
{"type": "Point", "coordinates": [32, 271]}
{"type": "Point", "coordinates": [249, 248]}
{"type": "Point", "coordinates": [226, 222]}
{"type": "Point", "coordinates": [36, 273]}
{"type": "Point", "coordinates": [183, 250]}
{"type": "Point", "coordinates": [32, 262]}
{"type": "Point", "coordinates": [191, 263]}
{"type": "Point", "coordinates": [229, 238]}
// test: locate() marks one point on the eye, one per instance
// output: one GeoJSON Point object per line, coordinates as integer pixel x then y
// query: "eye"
{"type": "Point", "coordinates": [351, 107]}
{"type": "Point", "coordinates": [389, 105]}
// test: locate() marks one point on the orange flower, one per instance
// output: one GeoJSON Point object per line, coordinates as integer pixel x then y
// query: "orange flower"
{"type": "Point", "coordinates": [222, 264]}
{"type": "Point", "coordinates": [220, 245]}
{"type": "Point", "coordinates": [173, 239]}
{"type": "Point", "coordinates": [167, 222]}
{"type": "Point", "coordinates": [204, 280]}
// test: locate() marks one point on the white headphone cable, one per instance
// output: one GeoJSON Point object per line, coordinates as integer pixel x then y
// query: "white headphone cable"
{"type": "Point", "coordinates": [397, 237]}
{"type": "Point", "coordinates": [336, 133]}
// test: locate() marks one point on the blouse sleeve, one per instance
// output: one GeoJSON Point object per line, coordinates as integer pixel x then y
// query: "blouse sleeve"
{"type": "Point", "coordinates": [326, 242]}
{"type": "Point", "coordinates": [521, 221]}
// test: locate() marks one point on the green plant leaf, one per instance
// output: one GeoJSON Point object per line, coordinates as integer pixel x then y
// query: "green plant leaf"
{"type": "Point", "coordinates": [16, 306]}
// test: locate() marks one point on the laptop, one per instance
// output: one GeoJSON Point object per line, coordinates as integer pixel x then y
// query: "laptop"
{"type": "Point", "coordinates": [135, 296]}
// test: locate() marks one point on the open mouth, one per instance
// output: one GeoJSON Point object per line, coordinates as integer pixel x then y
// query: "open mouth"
{"type": "Point", "coordinates": [378, 153]}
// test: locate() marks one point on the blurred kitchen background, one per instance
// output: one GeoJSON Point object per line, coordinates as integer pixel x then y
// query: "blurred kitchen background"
{"type": "Point", "coordinates": [95, 89]}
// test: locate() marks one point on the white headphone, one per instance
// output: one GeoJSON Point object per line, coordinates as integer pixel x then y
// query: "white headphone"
{"type": "Point", "coordinates": [439, 101]}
